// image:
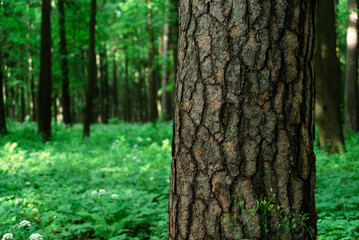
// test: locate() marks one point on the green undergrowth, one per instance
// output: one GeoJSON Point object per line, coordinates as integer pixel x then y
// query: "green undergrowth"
{"type": "Point", "coordinates": [53, 185]}
{"type": "Point", "coordinates": [337, 192]}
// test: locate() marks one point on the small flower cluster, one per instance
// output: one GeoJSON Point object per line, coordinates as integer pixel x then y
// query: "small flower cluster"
{"type": "Point", "coordinates": [100, 192]}
{"type": "Point", "coordinates": [36, 236]}
{"type": "Point", "coordinates": [8, 236]}
{"type": "Point", "coordinates": [103, 192]}
{"type": "Point", "coordinates": [114, 196]}
{"type": "Point", "coordinates": [24, 223]}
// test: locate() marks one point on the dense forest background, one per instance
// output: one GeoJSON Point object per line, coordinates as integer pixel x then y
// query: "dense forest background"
{"type": "Point", "coordinates": [69, 64]}
{"type": "Point", "coordinates": [135, 50]}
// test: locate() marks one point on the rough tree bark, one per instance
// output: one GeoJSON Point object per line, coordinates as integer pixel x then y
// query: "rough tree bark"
{"type": "Point", "coordinates": [45, 82]}
{"type": "Point", "coordinates": [351, 100]}
{"type": "Point", "coordinates": [91, 72]}
{"type": "Point", "coordinates": [3, 129]}
{"type": "Point", "coordinates": [327, 104]}
{"type": "Point", "coordinates": [66, 111]}
{"type": "Point", "coordinates": [243, 121]}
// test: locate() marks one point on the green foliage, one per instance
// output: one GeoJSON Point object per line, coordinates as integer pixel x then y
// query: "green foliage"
{"type": "Point", "coordinates": [51, 185]}
{"type": "Point", "coordinates": [275, 221]}
{"type": "Point", "coordinates": [337, 193]}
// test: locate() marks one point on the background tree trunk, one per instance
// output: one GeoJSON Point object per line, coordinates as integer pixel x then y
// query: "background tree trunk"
{"type": "Point", "coordinates": [45, 86]}
{"type": "Point", "coordinates": [327, 104]}
{"type": "Point", "coordinates": [115, 85]}
{"type": "Point", "coordinates": [351, 99]}
{"type": "Point", "coordinates": [243, 121]}
{"type": "Point", "coordinates": [166, 36]}
{"type": "Point", "coordinates": [64, 66]}
{"type": "Point", "coordinates": [104, 86]}
{"type": "Point", "coordinates": [3, 129]}
{"type": "Point", "coordinates": [91, 72]}
{"type": "Point", "coordinates": [127, 103]}
{"type": "Point", "coordinates": [152, 88]}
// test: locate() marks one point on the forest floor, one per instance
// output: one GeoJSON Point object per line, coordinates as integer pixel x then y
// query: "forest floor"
{"type": "Point", "coordinates": [115, 183]}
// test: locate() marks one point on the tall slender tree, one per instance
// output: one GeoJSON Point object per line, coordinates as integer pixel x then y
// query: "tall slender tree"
{"type": "Point", "coordinates": [92, 71]}
{"type": "Point", "coordinates": [45, 84]}
{"type": "Point", "coordinates": [3, 129]}
{"type": "Point", "coordinates": [164, 82]}
{"type": "Point", "coordinates": [327, 104]}
{"type": "Point", "coordinates": [243, 121]}
{"type": "Point", "coordinates": [115, 84]}
{"type": "Point", "coordinates": [351, 99]}
{"type": "Point", "coordinates": [152, 85]}
{"type": "Point", "coordinates": [66, 110]}
{"type": "Point", "coordinates": [104, 86]}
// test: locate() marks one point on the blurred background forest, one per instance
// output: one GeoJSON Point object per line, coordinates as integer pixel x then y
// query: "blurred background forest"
{"type": "Point", "coordinates": [69, 64]}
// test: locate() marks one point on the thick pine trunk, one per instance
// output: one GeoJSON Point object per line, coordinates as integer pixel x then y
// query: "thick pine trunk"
{"type": "Point", "coordinates": [243, 121]}
{"type": "Point", "coordinates": [45, 85]}
{"type": "Point", "coordinates": [91, 72]}
{"type": "Point", "coordinates": [64, 66]}
{"type": "Point", "coordinates": [3, 129]}
{"type": "Point", "coordinates": [327, 104]}
{"type": "Point", "coordinates": [351, 100]}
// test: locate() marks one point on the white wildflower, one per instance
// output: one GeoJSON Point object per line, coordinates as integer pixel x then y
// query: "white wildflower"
{"type": "Point", "coordinates": [24, 223]}
{"type": "Point", "coordinates": [8, 236]}
{"type": "Point", "coordinates": [139, 139]}
{"type": "Point", "coordinates": [148, 139]}
{"type": "Point", "coordinates": [135, 146]}
{"type": "Point", "coordinates": [138, 160]}
{"type": "Point", "coordinates": [94, 193]}
{"type": "Point", "coordinates": [36, 236]}
{"type": "Point", "coordinates": [114, 196]}
{"type": "Point", "coordinates": [27, 183]}
{"type": "Point", "coordinates": [165, 142]}
{"type": "Point", "coordinates": [102, 191]}
{"type": "Point", "coordinates": [134, 158]}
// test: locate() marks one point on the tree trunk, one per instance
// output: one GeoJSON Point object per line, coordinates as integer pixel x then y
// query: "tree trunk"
{"type": "Point", "coordinates": [104, 88]}
{"type": "Point", "coordinates": [243, 126]}
{"type": "Point", "coordinates": [22, 86]}
{"type": "Point", "coordinates": [3, 129]}
{"type": "Point", "coordinates": [115, 85]}
{"type": "Point", "coordinates": [45, 86]}
{"type": "Point", "coordinates": [327, 104]}
{"type": "Point", "coordinates": [66, 110]}
{"type": "Point", "coordinates": [166, 35]}
{"type": "Point", "coordinates": [91, 72]}
{"type": "Point", "coordinates": [351, 100]}
{"type": "Point", "coordinates": [152, 94]}
{"type": "Point", "coordinates": [127, 107]}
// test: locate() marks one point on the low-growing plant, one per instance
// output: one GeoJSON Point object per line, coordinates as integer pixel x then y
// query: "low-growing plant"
{"type": "Point", "coordinates": [275, 221]}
